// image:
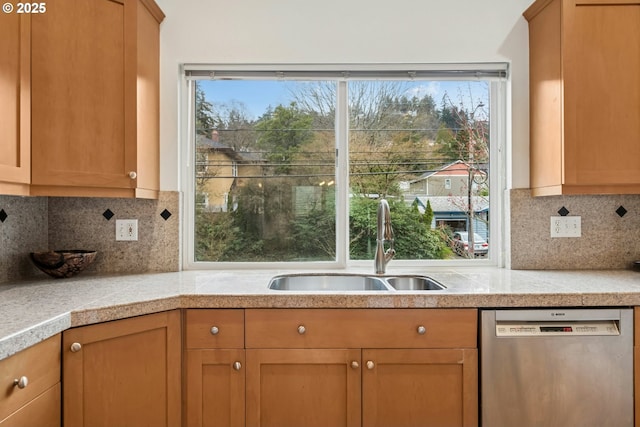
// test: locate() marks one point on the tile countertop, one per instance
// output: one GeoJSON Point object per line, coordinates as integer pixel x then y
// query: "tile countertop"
{"type": "Point", "coordinates": [37, 309]}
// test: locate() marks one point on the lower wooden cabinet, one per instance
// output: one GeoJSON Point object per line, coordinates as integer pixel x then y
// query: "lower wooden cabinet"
{"type": "Point", "coordinates": [416, 387]}
{"type": "Point", "coordinates": [331, 367]}
{"type": "Point", "coordinates": [123, 373]}
{"type": "Point", "coordinates": [215, 391]}
{"type": "Point", "coordinates": [304, 387]}
{"type": "Point", "coordinates": [30, 386]}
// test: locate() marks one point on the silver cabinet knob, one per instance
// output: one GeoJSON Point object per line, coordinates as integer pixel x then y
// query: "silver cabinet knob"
{"type": "Point", "coordinates": [422, 330]}
{"type": "Point", "coordinates": [237, 366]}
{"type": "Point", "coordinates": [214, 330]}
{"type": "Point", "coordinates": [21, 382]}
{"type": "Point", "coordinates": [302, 329]}
{"type": "Point", "coordinates": [370, 364]}
{"type": "Point", "coordinates": [355, 364]}
{"type": "Point", "coordinates": [133, 175]}
{"type": "Point", "coordinates": [76, 347]}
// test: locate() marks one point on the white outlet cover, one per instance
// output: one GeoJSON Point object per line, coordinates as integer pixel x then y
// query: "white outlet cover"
{"type": "Point", "coordinates": [126, 229]}
{"type": "Point", "coordinates": [566, 226]}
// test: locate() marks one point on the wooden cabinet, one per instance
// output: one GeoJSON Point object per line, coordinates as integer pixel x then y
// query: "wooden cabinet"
{"type": "Point", "coordinates": [15, 99]}
{"type": "Point", "coordinates": [30, 391]}
{"type": "Point", "coordinates": [123, 373]}
{"type": "Point", "coordinates": [95, 99]}
{"type": "Point", "coordinates": [369, 367]}
{"type": "Point", "coordinates": [584, 96]}
{"type": "Point", "coordinates": [214, 368]}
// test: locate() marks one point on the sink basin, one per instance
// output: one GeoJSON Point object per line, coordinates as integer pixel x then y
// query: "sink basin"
{"type": "Point", "coordinates": [337, 282]}
{"type": "Point", "coordinates": [328, 282]}
{"type": "Point", "coordinates": [414, 283]}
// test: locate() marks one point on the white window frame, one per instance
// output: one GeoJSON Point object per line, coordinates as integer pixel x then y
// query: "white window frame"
{"type": "Point", "coordinates": [497, 156]}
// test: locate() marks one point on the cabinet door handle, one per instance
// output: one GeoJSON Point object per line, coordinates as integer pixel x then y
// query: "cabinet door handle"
{"type": "Point", "coordinates": [422, 330]}
{"type": "Point", "coordinates": [76, 347]}
{"type": "Point", "coordinates": [21, 382]}
{"type": "Point", "coordinates": [355, 364]}
{"type": "Point", "coordinates": [214, 330]}
{"type": "Point", "coordinates": [133, 175]}
{"type": "Point", "coordinates": [370, 364]}
{"type": "Point", "coordinates": [237, 366]}
{"type": "Point", "coordinates": [302, 329]}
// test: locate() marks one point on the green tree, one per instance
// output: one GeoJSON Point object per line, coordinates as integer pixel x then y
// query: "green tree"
{"type": "Point", "coordinates": [281, 132]}
{"type": "Point", "coordinates": [205, 117]}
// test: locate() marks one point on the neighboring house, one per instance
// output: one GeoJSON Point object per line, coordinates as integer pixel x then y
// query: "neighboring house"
{"type": "Point", "coordinates": [229, 167]}
{"type": "Point", "coordinates": [450, 180]}
{"type": "Point", "coordinates": [447, 190]}
{"type": "Point", "coordinates": [451, 211]}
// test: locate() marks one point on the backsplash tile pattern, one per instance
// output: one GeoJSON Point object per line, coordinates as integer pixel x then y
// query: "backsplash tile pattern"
{"type": "Point", "coordinates": [23, 230]}
{"type": "Point", "coordinates": [41, 223]}
{"type": "Point", "coordinates": [78, 223]}
{"type": "Point", "coordinates": [609, 240]}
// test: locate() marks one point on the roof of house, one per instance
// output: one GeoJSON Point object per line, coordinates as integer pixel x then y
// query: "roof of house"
{"type": "Point", "coordinates": [215, 145]}
{"type": "Point", "coordinates": [452, 203]}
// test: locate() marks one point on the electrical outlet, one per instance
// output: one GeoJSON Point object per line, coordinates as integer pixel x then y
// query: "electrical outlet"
{"type": "Point", "coordinates": [566, 226]}
{"type": "Point", "coordinates": [127, 229]}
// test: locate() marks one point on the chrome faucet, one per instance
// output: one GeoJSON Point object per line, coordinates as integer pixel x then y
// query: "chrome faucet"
{"type": "Point", "coordinates": [385, 233]}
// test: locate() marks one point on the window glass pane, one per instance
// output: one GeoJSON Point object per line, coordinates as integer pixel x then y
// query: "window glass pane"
{"type": "Point", "coordinates": [423, 146]}
{"type": "Point", "coordinates": [264, 171]}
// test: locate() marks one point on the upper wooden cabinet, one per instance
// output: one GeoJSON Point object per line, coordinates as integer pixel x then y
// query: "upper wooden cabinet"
{"type": "Point", "coordinates": [95, 99]}
{"type": "Point", "coordinates": [585, 96]}
{"type": "Point", "coordinates": [15, 98]}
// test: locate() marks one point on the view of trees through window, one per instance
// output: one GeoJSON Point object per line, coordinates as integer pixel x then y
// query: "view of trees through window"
{"type": "Point", "coordinates": [266, 177]}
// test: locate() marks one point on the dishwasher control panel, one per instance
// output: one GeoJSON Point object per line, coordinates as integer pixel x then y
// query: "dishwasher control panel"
{"type": "Point", "coordinates": [527, 329]}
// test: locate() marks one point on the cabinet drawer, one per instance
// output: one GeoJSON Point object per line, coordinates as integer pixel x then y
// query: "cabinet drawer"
{"type": "Point", "coordinates": [40, 364]}
{"type": "Point", "coordinates": [214, 328]}
{"type": "Point", "coordinates": [43, 411]}
{"type": "Point", "coordinates": [361, 328]}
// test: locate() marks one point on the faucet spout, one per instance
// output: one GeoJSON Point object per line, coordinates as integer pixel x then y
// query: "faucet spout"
{"type": "Point", "coordinates": [384, 233]}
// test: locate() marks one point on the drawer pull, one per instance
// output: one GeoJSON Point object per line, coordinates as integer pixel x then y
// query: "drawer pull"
{"type": "Point", "coordinates": [76, 347]}
{"type": "Point", "coordinates": [370, 364]}
{"type": "Point", "coordinates": [237, 366]}
{"type": "Point", "coordinates": [133, 175]}
{"type": "Point", "coordinates": [355, 364]}
{"type": "Point", "coordinates": [302, 329]}
{"type": "Point", "coordinates": [214, 330]}
{"type": "Point", "coordinates": [22, 382]}
{"type": "Point", "coordinates": [422, 330]}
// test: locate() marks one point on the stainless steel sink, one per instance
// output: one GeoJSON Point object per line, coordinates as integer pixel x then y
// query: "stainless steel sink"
{"type": "Point", "coordinates": [414, 283]}
{"type": "Point", "coordinates": [327, 282]}
{"type": "Point", "coordinates": [336, 282]}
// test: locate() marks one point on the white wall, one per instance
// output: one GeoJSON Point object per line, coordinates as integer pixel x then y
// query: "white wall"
{"type": "Point", "coordinates": [345, 31]}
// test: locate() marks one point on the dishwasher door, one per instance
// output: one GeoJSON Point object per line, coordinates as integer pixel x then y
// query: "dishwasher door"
{"type": "Point", "coordinates": [557, 368]}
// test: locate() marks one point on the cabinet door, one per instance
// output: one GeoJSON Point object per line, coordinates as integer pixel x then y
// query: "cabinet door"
{"type": "Point", "coordinates": [215, 388]}
{"type": "Point", "coordinates": [602, 92]}
{"type": "Point", "coordinates": [310, 388]}
{"type": "Point", "coordinates": [123, 373]}
{"type": "Point", "coordinates": [84, 95]}
{"type": "Point", "coordinates": [15, 139]}
{"type": "Point", "coordinates": [413, 387]}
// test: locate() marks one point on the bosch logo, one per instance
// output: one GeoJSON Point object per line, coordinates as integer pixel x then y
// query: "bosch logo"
{"type": "Point", "coordinates": [558, 314]}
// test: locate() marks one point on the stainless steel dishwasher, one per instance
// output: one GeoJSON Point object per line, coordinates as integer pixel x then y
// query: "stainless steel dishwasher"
{"type": "Point", "coordinates": [557, 368]}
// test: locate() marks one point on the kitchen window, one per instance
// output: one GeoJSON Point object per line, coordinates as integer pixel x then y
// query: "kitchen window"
{"type": "Point", "coordinates": [290, 163]}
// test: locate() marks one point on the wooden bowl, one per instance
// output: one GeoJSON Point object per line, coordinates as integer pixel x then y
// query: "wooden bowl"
{"type": "Point", "coordinates": [63, 263]}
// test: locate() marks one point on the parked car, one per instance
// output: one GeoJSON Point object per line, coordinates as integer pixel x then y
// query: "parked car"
{"type": "Point", "coordinates": [461, 244]}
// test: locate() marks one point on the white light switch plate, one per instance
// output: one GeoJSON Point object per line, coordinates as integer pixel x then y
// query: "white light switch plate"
{"type": "Point", "coordinates": [566, 226]}
{"type": "Point", "coordinates": [127, 229]}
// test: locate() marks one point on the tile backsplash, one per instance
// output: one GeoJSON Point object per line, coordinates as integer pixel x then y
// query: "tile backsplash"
{"type": "Point", "coordinates": [610, 232]}
{"type": "Point", "coordinates": [41, 223]}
